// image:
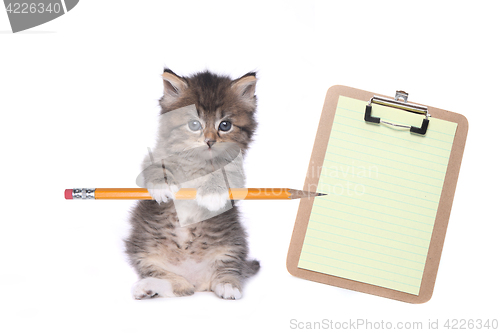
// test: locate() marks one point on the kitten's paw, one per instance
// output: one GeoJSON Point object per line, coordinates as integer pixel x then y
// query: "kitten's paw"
{"type": "Point", "coordinates": [152, 287]}
{"type": "Point", "coordinates": [227, 291]}
{"type": "Point", "coordinates": [182, 287]}
{"type": "Point", "coordinates": [162, 192]}
{"type": "Point", "coordinates": [212, 201]}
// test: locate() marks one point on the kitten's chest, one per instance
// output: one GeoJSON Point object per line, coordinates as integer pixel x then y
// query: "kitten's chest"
{"type": "Point", "coordinates": [179, 243]}
{"type": "Point", "coordinates": [189, 242]}
{"type": "Point", "coordinates": [184, 236]}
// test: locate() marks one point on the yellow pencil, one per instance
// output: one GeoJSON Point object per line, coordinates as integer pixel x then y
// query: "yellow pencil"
{"type": "Point", "coordinates": [188, 193]}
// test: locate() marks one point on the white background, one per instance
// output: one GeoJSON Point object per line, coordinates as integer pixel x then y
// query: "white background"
{"type": "Point", "coordinates": [78, 102]}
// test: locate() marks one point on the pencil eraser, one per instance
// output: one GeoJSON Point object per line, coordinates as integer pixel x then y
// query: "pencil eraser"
{"type": "Point", "coordinates": [68, 194]}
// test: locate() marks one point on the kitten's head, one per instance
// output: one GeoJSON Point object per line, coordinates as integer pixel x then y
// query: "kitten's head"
{"type": "Point", "coordinates": [208, 112]}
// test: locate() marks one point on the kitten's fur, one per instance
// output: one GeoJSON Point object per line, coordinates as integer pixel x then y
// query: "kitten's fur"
{"type": "Point", "coordinates": [172, 260]}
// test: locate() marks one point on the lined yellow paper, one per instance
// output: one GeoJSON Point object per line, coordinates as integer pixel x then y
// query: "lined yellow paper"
{"type": "Point", "coordinates": [384, 186]}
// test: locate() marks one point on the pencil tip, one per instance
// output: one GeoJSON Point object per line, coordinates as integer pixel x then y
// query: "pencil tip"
{"type": "Point", "coordinates": [296, 194]}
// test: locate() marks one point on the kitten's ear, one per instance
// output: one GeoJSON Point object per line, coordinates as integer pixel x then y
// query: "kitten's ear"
{"type": "Point", "coordinates": [173, 85]}
{"type": "Point", "coordinates": [245, 87]}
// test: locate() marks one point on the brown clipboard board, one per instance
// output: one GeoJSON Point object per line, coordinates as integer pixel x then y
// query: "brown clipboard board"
{"type": "Point", "coordinates": [442, 216]}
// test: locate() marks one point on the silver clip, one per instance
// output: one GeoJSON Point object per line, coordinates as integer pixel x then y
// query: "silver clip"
{"type": "Point", "coordinates": [402, 105]}
{"type": "Point", "coordinates": [396, 103]}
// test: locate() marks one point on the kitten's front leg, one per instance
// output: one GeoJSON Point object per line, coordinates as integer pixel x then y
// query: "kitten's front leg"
{"type": "Point", "coordinates": [160, 182]}
{"type": "Point", "coordinates": [161, 191]}
{"type": "Point", "coordinates": [212, 198]}
{"type": "Point", "coordinates": [213, 192]}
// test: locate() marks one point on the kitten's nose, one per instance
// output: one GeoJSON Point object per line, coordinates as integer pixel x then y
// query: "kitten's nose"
{"type": "Point", "coordinates": [210, 142]}
{"type": "Point", "coordinates": [210, 138]}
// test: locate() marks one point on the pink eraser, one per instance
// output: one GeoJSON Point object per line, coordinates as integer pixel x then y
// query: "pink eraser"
{"type": "Point", "coordinates": [68, 194]}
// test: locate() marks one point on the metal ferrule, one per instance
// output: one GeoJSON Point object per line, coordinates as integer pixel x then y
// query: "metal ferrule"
{"type": "Point", "coordinates": [84, 193]}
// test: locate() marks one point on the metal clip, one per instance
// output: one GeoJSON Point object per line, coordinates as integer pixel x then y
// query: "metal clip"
{"type": "Point", "coordinates": [402, 105]}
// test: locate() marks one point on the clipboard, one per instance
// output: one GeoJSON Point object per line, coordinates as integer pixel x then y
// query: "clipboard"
{"type": "Point", "coordinates": [385, 236]}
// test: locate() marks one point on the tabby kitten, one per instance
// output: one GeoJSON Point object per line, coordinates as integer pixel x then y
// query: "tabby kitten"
{"type": "Point", "coordinates": [179, 247]}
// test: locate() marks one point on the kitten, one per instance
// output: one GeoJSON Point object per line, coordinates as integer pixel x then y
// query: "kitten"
{"type": "Point", "coordinates": [182, 246]}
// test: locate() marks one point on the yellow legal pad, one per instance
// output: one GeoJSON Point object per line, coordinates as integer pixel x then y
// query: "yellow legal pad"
{"type": "Point", "coordinates": [384, 187]}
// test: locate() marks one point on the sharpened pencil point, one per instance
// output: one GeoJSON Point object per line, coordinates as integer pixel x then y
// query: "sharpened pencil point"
{"type": "Point", "coordinates": [296, 194]}
{"type": "Point", "coordinates": [320, 194]}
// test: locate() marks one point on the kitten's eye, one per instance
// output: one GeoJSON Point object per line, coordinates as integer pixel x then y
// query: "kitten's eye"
{"type": "Point", "coordinates": [225, 126]}
{"type": "Point", "coordinates": [194, 125]}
